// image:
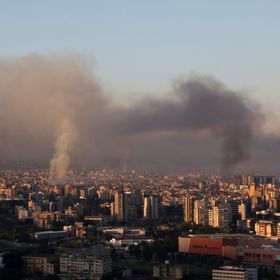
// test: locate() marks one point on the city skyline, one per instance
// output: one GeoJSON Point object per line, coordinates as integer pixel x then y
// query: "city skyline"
{"type": "Point", "coordinates": [139, 140]}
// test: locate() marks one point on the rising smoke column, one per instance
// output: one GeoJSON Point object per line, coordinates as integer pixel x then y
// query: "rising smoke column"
{"type": "Point", "coordinates": [47, 101]}
{"type": "Point", "coordinates": [63, 145]}
{"type": "Point", "coordinates": [230, 116]}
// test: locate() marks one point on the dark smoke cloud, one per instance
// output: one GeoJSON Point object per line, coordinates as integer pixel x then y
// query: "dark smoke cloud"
{"type": "Point", "coordinates": [199, 103]}
{"type": "Point", "coordinates": [54, 110]}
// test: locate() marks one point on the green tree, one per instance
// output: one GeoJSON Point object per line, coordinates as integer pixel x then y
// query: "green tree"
{"type": "Point", "coordinates": [12, 266]}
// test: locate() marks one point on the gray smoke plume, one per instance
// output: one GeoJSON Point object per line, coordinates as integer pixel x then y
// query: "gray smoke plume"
{"type": "Point", "coordinates": [61, 158]}
{"type": "Point", "coordinates": [44, 100]}
{"type": "Point", "coordinates": [54, 110]}
{"type": "Point", "coordinates": [198, 103]}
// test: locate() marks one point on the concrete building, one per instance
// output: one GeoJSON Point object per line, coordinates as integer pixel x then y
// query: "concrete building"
{"type": "Point", "coordinates": [221, 216]}
{"type": "Point", "coordinates": [42, 264]}
{"type": "Point", "coordinates": [129, 240]}
{"type": "Point", "coordinates": [119, 207]}
{"type": "Point", "coordinates": [188, 209]}
{"type": "Point", "coordinates": [22, 213]}
{"type": "Point", "coordinates": [252, 190]}
{"type": "Point", "coordinates": [201, 212]}
{"type": "Point", "coordinates": [167, 271]}
{"type": "Point", "coordinates": [234, 246]}
{"type": "Point", "coordinates": [265, 228]}
{"type": "Point", "coordinates": [278, 230]}
{"type": "Point", "coordinates": [234, 204]}
{"type": "Point", "coordinates": [92, 265]}
{"type": "Point", "coordinates": [120, 231]}
{"type": "Point", "coordinates": [45, 235]}
{"type": "Point", "coordinates": [80, 230]}
{"type": "Point", "coordinates": [210, 217]}
{"type": "Point", "coordinates": [151, 207]}
{"type": "Point", "coordinates": [242, 211]}
{"type": "Point", "coordinates": [234, 273]}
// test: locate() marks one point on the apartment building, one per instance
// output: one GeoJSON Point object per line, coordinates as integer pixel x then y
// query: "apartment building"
{"type": "Point", "coordinates": [93, 264]}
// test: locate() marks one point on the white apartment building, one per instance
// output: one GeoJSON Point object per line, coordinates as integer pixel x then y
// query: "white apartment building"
{"type": "Point", "coordinates": [91, 265]}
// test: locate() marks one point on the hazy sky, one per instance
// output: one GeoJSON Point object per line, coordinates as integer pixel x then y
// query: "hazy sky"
{"type": "Point", "coordinates": [141, 46]}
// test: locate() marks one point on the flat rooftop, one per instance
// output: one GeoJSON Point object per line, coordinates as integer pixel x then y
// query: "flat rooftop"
{"type": "Point", "coordinates": [230, 268]}
{"type": "Point", "coordinates": [224, 235]}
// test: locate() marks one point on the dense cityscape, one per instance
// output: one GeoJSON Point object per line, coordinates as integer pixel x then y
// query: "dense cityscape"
{"type": "Point", "coordinates": [139, 140]}
{"type": "Point", "coordinates": [99, 224]}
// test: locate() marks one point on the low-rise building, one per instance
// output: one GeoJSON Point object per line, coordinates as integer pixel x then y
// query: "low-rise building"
{"type": "Point", "coordinates": [265, 228]}
{"type": "Point", "coordinates": [243, 247]}
{"type": "Point", "coordinates": [127, 231]}
{"type": "Point", "coordinates": [129, 240]}
{"type": "Point", "coordinates": [91, 264]}
{"type": "Point", "coordinates": [47, 265]}
{"type": "Point", "coordinates": [46, 235]}
{"type": "Point", "coordinates": [235, 273]}
{"type": "Point", "coordinates": [167, 271]}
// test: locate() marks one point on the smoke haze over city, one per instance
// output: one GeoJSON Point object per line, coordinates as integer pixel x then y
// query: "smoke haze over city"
{"type": "Point", "coordinates": [54, 110]}
{"type": "Point", "coordinates": [191, 87]}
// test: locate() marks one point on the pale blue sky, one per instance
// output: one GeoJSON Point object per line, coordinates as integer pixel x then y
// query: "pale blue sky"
{"type": "Point", "coordinates": [141, 46]}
